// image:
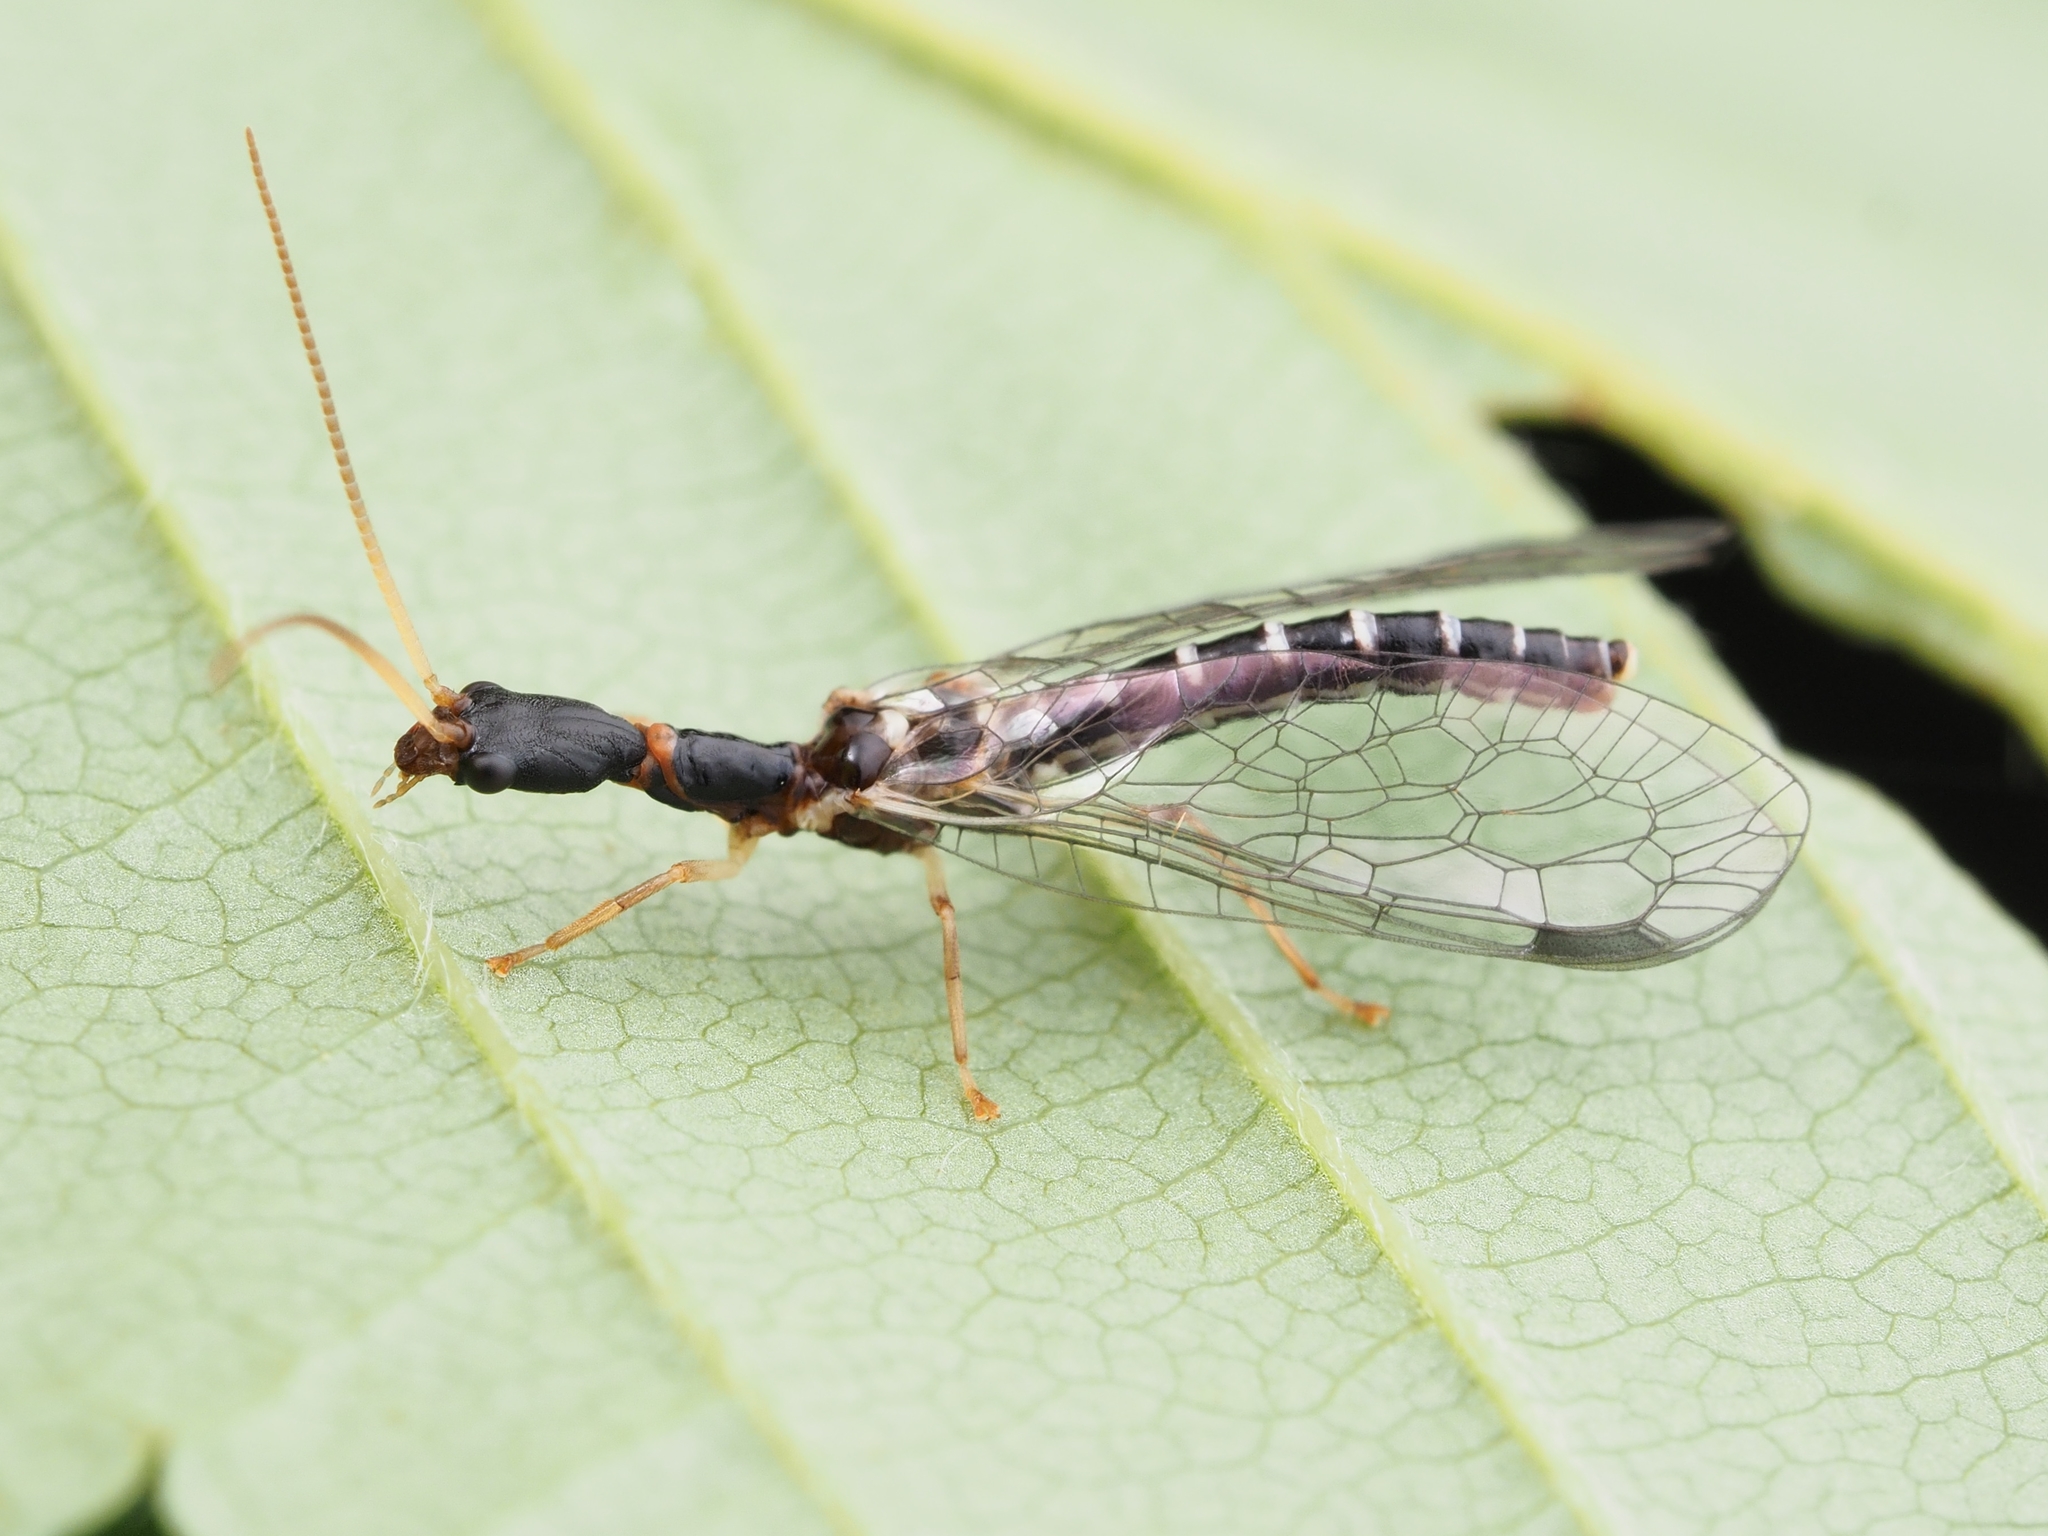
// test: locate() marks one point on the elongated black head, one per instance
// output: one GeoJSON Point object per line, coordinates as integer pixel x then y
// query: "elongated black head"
{"type": "Point", "coordinates": [534, 742]}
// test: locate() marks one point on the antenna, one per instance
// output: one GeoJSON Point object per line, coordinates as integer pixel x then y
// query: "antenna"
{"type": "Point", "coordinates": [449, 731]}
{"type": "Point", "coordinates": [231, 655]}
{"type": "Point", "coordinates": [440, 693]}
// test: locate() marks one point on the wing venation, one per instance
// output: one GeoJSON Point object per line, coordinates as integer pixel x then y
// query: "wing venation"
{"type": "Point", "coordinates": [1496, 808]}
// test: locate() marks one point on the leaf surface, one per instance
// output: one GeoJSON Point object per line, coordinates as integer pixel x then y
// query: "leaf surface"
{"type": "Point", "coordinates": [1794, 254]}
{"type": "Point", "coordinates": [249, 1158]}
{"type": "Point", "coordinates": [701, 359]}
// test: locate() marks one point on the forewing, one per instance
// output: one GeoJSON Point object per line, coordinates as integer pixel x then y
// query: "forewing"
{"type": "Point", "coordinates": [1642, 548]}
{"type": "Point", "coordinates": [1495, 808]}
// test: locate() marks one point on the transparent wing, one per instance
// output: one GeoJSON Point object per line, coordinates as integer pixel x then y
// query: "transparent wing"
{"type": "Point", "coordinates": [1644, 548]}
{"type": "Point", "coordinates": [1490, 807]}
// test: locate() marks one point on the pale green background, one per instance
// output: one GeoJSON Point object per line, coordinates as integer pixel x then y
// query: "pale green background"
{"type": "Point", "coordinates": [703, 357]}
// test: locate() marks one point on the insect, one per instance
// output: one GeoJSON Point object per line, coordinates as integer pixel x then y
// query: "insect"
{"type": "Point", "coordinates": [1291, 757]}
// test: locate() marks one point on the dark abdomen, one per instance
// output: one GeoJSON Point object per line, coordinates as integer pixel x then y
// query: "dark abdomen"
{"type": "Point", "coordinates": [1389, 636]}
{"type": "Point", "coordinates": [1092, 721]}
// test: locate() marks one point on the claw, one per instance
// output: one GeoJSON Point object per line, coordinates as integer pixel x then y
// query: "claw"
{"type": "Point", "coordinates": [502, 964]}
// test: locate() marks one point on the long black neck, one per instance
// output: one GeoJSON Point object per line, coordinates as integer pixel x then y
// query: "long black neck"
{"type": "Point", "coordinates": [711, 771]}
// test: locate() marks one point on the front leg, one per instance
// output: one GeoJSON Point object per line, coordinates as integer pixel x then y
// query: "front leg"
{"type": "Point", "coordinates": [739, 847]}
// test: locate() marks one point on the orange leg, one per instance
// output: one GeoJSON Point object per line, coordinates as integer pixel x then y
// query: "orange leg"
{"type": "Point", "coordinates": [738, 847]}
{"type": "Point", "coordinates": [1366, 1013]}
{"type": "Point", "coordinates": [983, 1106]}
{"type": "Point", "coordinates": [1372, 1014]}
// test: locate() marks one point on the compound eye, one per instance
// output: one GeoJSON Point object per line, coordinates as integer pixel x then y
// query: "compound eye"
{"type": "Point", "coordinates": [487, 772]}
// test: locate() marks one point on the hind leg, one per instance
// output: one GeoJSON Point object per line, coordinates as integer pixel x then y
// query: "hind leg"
{"type": "Point", "coordinates": [1371, 1014]}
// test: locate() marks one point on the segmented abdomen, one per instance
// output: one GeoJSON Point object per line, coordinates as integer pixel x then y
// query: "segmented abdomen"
{"type": "Point", "coordinates": [1392, 635]}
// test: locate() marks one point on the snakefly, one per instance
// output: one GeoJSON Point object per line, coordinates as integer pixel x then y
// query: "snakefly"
{"type": "Point", "coordinates": [1292, 757]}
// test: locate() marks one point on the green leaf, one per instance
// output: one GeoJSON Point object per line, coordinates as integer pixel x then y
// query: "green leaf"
{"type": "Point", "coordinates": [700, 359]}
{"type": "Point", "coordinates": [1797, 255]}
{"type": "Point", "coordinates": [267, 1213]}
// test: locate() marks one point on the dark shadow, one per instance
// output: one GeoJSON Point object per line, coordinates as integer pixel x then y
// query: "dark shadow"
{"type": "Point", "coordinates": [1962, 769]}
{"type": "Point", "coordinates": [138, 1519]}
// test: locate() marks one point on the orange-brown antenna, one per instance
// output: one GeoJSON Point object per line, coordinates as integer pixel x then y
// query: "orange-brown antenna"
{"type": "Point", "coordinates": [231, 655]}
{"type": "Point", "coordinates": [440, 693]}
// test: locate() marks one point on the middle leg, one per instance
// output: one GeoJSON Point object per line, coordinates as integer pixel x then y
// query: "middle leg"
{"type": "Point", "coordinates": [983, 1106]}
